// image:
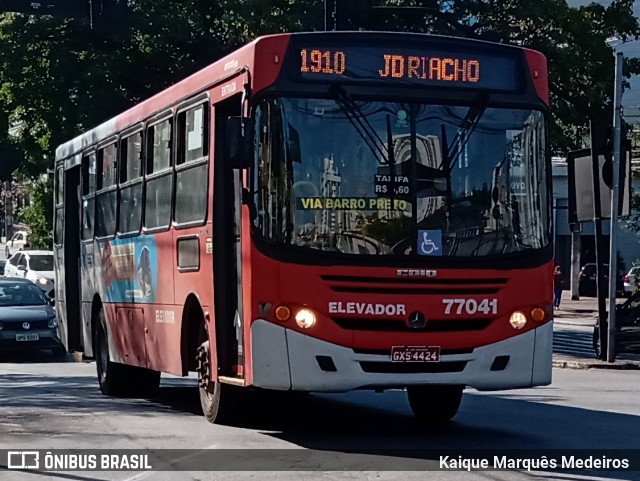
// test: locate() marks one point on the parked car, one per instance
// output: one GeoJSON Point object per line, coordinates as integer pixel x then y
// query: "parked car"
{"type": "Point", "coordinates": [27, 319]}
{"type": "Point", "coordinates": [587, 281]}
{"type": "Point", "coordinates": [35, 265]}
{"type": "Point", "coordinates": [627, 327]}
{"type": "Point", "coordinates": [631, 280]}
{"type": "Point", "coordinates": [20, 240]}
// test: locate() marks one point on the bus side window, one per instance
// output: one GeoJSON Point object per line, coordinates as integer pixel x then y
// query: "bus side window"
{"type": "Point", "coordinates": [191, 166]}
{"type": "Point", "coordinates": [130, 184]}
{"type": "Point", "coordinates": [107, 196]}
{"type": "Point", "coordinates": [159, 175]}
{"type": "Point", "coordinates": [88, 195]}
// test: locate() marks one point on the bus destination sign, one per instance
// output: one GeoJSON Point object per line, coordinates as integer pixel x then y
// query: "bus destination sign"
{"type": "Point", "coordinates": [354, 64]}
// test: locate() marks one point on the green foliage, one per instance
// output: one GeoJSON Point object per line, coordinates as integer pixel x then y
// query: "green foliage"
{"type": "Point", "coordinates": [59, 76]}
{"type": "Point", "coordinates": [38, 214]}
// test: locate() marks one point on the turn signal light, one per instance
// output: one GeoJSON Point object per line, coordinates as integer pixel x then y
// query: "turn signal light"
{"type": "Point", "coordinates": [537, 314]}
{"type": "Point", "coordinates": [282, 313]}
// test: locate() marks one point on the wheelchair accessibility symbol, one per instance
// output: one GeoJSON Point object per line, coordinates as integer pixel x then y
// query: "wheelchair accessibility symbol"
{"type": "Point", "coordinates": [430, 242]}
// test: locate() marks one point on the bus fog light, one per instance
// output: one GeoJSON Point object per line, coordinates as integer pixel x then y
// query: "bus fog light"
{"type": "Point", "coordinates": [518, 320]}
{"type": "Point", "coordinates": [305, 318]}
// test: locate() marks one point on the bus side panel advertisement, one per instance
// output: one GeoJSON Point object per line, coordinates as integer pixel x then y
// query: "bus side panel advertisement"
{"type": "Point", "coordinates": [130, 269]}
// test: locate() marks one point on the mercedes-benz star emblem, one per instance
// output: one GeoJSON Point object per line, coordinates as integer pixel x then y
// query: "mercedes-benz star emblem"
{"type": "Point", "coordinates": [26, 325]}
{"type": "Point", "coordinates": [416, 320]}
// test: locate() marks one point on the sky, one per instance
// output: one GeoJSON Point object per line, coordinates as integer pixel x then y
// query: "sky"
{"type": "Point", "coordinates": [630, 98]}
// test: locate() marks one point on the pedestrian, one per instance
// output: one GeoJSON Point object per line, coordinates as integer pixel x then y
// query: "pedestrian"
{"type": "Point", "coordinates": [558, 284]}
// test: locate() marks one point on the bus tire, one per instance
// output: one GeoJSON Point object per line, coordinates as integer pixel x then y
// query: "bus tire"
{"type": "Point", "coordinates": [110, 374]}
{"type": "Point", "coordinates": [436, 404]}
{"type": "Point", "coordinates": [215, 397]}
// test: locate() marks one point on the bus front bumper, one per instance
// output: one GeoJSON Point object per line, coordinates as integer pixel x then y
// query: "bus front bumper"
{"type": "Point", "coordinates": [283, 359]}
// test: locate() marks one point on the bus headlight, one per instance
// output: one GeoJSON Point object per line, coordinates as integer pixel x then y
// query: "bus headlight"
{"type": "Point", "coordinates": [518, 320]}
{"type": "Point", "coordinates": [305, 318]}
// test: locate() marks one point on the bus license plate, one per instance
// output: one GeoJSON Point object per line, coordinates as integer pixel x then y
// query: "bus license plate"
{"type": "Point", "coordinates": [27, 337]}
{"type": "Point", "coordinates": [415, 354]}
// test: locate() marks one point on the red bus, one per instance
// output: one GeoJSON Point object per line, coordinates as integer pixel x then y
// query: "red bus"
{"type": "Point", "coordinates": [318, 212]}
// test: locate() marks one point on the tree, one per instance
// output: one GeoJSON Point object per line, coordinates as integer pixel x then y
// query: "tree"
{"type": "Point", "coordinates": [61, 76]}
{"type": "Point", "coordinates": [41, 201]}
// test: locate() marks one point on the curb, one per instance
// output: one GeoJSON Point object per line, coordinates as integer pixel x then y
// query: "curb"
{"type": "Point", "coordinates": [618, 365]}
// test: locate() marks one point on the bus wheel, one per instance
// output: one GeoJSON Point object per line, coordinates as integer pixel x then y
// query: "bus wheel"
{"type": "Point", "coordinates": [214, 396]}
{"type": "Point", "coordinates": [435, 403]}
{"type": "Point", "coordinates": [112, 376]}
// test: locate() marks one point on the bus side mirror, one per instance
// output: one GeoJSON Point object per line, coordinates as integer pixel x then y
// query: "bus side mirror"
{"type": "Point", "coordinates": [238, 142]}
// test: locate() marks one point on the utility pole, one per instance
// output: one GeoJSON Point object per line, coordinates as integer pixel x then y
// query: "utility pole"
{"type": "Point", "coordinates": [596, 141]}
{"type": "Point", "coordinates": [613, 227]}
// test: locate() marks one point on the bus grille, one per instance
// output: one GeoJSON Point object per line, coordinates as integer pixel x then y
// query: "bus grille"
{"type": "Point", "coordinates": [412, 367]}
{"type": "Point", "coordinates": [394, 325]}
{"type": "Point", "coordinates": [387, 352]}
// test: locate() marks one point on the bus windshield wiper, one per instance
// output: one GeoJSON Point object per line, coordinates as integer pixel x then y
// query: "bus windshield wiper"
{"type": "Point", "coordinates": [362, 125]}
{"type": "Point", "coordinates": [468, 125]}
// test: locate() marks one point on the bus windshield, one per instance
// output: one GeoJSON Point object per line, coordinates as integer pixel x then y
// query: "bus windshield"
{"type": "Point", "coordinates": [400, 178]}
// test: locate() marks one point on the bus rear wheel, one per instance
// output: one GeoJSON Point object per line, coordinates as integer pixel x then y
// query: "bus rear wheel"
{"type": "Point", "coordinates": [215, 397]}
{"type": "Point", "coordinates": [117, 379]}
{"type": "Point", "coordinates": [437, 404]}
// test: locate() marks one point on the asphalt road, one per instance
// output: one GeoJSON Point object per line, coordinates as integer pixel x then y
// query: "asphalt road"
{"type": "Point", "coordinates": [49, 405]}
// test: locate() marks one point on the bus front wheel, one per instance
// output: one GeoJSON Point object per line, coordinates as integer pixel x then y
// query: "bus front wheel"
{"type": "Point", "coordinates": [215, 397]}
{"type": "Point", "coordinates": [435, 403]}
